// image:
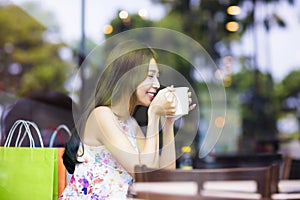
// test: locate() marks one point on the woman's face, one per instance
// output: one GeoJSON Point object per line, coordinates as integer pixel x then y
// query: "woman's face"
{"type": "Point", "coordinates": [147, 89]}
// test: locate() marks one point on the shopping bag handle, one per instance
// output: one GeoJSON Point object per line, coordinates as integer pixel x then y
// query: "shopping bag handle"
{"type": "Point", "coordinates": [56, 131]}
{"type": "Point", "coordinates": [26, 124]}
{"type": "Point", "coordinates": [47, 136]}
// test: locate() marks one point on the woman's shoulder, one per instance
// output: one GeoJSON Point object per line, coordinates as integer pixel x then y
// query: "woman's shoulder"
{"type": "Point", "coordinates": [101, 113]}
{"type": "Point", "coordinates": [102, 110]}
{"type": "Point", "coordinates": [98, 116]}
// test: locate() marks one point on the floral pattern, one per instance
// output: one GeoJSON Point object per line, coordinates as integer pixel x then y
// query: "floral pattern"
{"type": "Point", "coordinates": [99, 177]}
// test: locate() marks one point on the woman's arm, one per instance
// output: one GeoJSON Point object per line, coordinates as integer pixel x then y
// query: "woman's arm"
{"type": "Point", "coordinates": [103, 126]}
{"type": "Point", "coordinates": [168, 153]}
{"type": "Point", "coordinates": [149, 150]}
{"type": "Point", "coordinates": [164, 104]}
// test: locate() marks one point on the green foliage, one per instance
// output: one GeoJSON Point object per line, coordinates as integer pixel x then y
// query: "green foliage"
{"type": "Point", "coordinates": [133, 21]}
{"type": "Point", "coordinates": [44, 77]}
{"type": "Point", "coordinates": [172, 21]}
{"type": "Point", "coordinates": [19, 28]}
{"type": "Point", "coordinates": [242, 80]}
{"type": "Point", "coordinates": [259, 108]}
{"type": "Point", "coordinates": [22, 43]}
{"type": "Point", "coordinates": [290, 84]}
{"type": "Point", "coordinates": [260, 98]}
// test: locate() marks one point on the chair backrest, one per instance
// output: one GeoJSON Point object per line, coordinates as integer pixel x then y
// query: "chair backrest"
{"type": "Point", "coordinates": [286, 167]}
{"type": "Point", "coordinates": [266, 177]}
{"type": "Point", "coordinates": [290, 168]}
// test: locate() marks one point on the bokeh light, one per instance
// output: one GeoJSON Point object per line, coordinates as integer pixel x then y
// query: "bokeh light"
{"type": "Point", "coordinates": [233, 10]}
{"type": "Point", "coordinates": [143, 13]}
{"type": "Point", "coordinates": [123, 14]}
{"type": "Point", "coordinates": [232, 26]}
{"type": "Point", "coordinates": [220, 122]}
{"type": "Point", "coordinates": [108, 29]}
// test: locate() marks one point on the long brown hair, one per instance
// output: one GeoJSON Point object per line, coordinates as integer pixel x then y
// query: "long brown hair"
{"type": "Point", "coordinates": [123, 74]}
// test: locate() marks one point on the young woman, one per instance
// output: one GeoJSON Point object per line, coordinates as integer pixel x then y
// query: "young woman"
{"type": "Point", "coordinates": [112, 143]}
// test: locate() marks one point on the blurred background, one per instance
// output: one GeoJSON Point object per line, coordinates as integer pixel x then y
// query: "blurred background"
{"type": "Point", "coordinates": [254, 43]}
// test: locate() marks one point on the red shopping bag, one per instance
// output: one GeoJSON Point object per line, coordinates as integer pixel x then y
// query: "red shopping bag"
{"type": "Point", "coordinates": [62, 172]}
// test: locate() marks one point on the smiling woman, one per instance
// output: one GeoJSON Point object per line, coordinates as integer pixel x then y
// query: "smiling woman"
{"type": "Point", "coordinates": [111, 137]}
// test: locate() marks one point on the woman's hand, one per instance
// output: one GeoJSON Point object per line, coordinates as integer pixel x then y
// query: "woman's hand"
{"type": "Point", "coordinates": [192, 105]}
{"type": "Point", "coordinates": [164, 103]}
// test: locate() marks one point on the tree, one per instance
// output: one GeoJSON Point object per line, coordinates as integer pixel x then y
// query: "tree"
{"type": "Point", "coordinates": [29, 61]}
{"type": "Point", "coordinates": [288, 93]}
{"type": "Point", "coordinates": [207, 22]}
{"type": "Point", "coordinates": [258, 108]}
{"type": "Point", "coordinates": [132, 21]}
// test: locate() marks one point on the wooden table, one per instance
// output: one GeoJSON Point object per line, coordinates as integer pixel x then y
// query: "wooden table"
{"type": "Point", "coordinates": [190, 189]}
{"type": "Point", "coordinates": [289, 186]}
{"type": "Point", "coordinates": [232, 189]}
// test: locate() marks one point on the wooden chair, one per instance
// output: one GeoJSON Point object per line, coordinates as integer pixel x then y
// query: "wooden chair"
{"type": "Point", "coordinates": [266, 178]}
{"type": "Point", "coordinates": [289, 182]}
{"type": "Point", "coordinates": [290, 168]}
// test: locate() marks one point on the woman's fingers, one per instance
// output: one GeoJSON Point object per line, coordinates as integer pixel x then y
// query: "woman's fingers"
{"type": "Point", "coordinates": [170, 88]}
{"type": "Point", "coordinates": [168, 101]}
{"type": "Point", "coordinates": [169, 96]}
{"type": "Point", "coordinates": [192, 107]}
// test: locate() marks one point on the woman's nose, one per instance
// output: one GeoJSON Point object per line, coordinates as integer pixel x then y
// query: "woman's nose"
{"type": "Point", "coordinates": [156, 83]}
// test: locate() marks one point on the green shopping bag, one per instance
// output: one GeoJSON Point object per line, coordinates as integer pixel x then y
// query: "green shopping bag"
{"type": "Point", "coordinates": [28, 173]}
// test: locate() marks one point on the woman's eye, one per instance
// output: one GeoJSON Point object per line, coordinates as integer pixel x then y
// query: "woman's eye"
{"type": "Point", "coordinates": [151, 76]}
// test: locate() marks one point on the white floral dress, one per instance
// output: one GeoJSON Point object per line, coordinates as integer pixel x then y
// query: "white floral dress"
{"type": "Point", "coordinates": [98, 177]}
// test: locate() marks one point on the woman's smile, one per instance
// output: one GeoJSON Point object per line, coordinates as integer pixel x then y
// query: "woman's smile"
{"type": "Point", "coordinates": [151, 95]}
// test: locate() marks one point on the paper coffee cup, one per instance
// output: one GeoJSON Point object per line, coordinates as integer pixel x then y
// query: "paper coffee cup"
{"type": "Point", "coordinates": [182, 98]}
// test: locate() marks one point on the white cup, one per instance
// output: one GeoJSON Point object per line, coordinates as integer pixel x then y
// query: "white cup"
{"type": "Point", "coordinates": [182, 98]}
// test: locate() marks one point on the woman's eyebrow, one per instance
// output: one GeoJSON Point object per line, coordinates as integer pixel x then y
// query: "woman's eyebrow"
{"type": "Point", "coordinates": [153, 70]}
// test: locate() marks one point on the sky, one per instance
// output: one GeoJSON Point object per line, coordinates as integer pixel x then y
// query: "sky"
{"type": "Point", "coordinates": [98, 13]}
{"type": "Point", "coordinates": [278, 51]}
